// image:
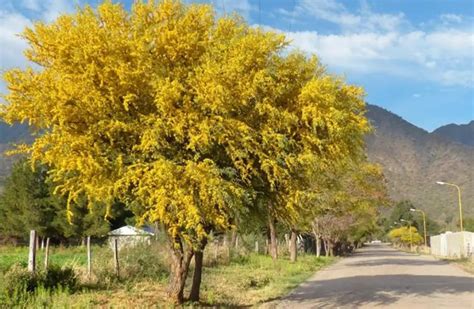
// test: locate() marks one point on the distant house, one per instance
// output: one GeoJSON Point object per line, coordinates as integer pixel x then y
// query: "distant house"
{"type": "Point", "coordinates": [130, 236]}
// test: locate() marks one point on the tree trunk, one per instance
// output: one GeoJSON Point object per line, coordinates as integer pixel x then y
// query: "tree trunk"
{"type": "Point", "coordinates": [180, 259]}
{"type": "Point", "coordinates": [326, 247]}
{"type": "Point", "coordinates": [233, 239]}
{"type": "Point", "coordinates": [198, 261]}
{"type": "Point", "coordinates": [331, 248]}
{"type": "Point", "coordinates": [318, 245]}
{"type": "Point", "coordinates": [273, 250]}
{"type": "Point", "coordinates": [317, 238]}
{"type": "Point", "coordinates": [293, 246]}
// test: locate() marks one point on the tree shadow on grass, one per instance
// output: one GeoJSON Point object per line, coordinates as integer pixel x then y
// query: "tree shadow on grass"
{"type": "Point", "coordinates": [381, 290]}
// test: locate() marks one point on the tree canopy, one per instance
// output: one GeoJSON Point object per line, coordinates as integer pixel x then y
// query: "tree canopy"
{"type": "Point", "coordinates": [189, 119]}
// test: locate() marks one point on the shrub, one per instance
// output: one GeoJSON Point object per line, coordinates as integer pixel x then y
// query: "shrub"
{"type": "Point", "coordinates": [18, 279]}
{"type": "Point", "coordinates": [56, 277]}
{"type": "Point", "coordinates": [136, 263]}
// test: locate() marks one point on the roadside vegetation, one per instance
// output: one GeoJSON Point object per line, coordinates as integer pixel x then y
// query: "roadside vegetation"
{"type": "Point", "coordinates": [199, 125]}
{"type": "Point", "coordinates": [466, 263]}
{"type": "Point", "coordinates": [238, 279]}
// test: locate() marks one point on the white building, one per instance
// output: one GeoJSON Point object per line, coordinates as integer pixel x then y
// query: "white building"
{"type": "Point", "coordinates": [130, 236]}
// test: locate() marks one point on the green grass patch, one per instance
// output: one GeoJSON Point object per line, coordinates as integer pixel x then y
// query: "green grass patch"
{"type": "Point", "coordinates": [243, 280]}
{"type": "Point", "coordinates": [257, 279]}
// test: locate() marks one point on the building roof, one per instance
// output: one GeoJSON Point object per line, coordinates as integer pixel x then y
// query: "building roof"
{"type": "Point", "coordinates": [129, 230]}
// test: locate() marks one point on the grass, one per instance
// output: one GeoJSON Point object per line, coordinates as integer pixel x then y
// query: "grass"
{"type": "Point", "coordinates": [243, 280]}
{"type": "Point", "coordinates": [256, 279]}
{"type": "Point", "coordinates": [467, 264]}
{"type": "Point", "coordinates": [57, 255]}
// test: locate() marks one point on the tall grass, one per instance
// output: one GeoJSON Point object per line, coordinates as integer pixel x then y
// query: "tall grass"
{"type": "Point", "coordinates": [231, 277]}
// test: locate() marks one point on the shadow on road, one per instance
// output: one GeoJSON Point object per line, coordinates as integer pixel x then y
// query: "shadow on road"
{"type": "Point", "coordinates": [380, 252]}
{"type": "Point", "coordinates": [379, 289]}
{"type": "Point", "coordinates": [384, 262]}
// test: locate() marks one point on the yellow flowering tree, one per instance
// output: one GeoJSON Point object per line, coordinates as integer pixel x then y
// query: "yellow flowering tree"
{"type": "Point", "coordinates": [182, 116]}
{"type": "Point", "coordinates": [405, 236]}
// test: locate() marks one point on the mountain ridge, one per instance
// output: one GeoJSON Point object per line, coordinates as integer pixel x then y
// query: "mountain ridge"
{"type": "Point", "coordinates": [461, 133]}
{"type": "Point", "coordinates": [414, 159]}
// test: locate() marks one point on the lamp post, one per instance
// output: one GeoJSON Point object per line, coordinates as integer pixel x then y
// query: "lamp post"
{"type": "Point", "coordinates": [424, 222]}
{"type": "Point", "coordinates": [459, 199]}
{"type": "Point", "coordinates": [409, 229]}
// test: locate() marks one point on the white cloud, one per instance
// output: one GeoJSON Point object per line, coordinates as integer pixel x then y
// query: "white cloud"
{"type": "Point", "coordinates": [33, 5]}
{"type": "Point", "coordinates": [370, 42]}
{"type": "Point", "coordinates": [13, 22]}
{"type": "Point", "coordinates": [451, 18]}
{"type": "Point", "coordinates": [442, 56]}
{"type": "Point", "coordinates": [53, 8]}
{"type": "Point", "coordinates": [242, 7]}
{"type": "Point", "coordinates": [12, 46]}
{"type": "Point", "coordinates": [335, 12]}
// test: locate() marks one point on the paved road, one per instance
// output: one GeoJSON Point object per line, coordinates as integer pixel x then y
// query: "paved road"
{"type": "Point", "coordinates": [378, 276]}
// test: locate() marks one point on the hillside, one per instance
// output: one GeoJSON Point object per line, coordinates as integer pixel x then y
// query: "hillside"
{"type": "Point", "coordinates": [9, 135]}
{"type": "Point", "coordinates": [463, 133]}
{"type": "Point", "coordinates": [414, 160]}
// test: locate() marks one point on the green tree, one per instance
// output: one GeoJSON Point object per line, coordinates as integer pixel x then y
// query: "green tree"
{"type": "Point", "coordinates": [402, 211]}
{"type": "Point", "coordinates": [28, 203]}
{"type": "Point", "coordinates": [468, 224]}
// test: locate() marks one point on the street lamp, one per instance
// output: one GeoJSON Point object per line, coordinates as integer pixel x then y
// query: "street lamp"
{"type": "Point", "coordinates": [459, 199]}
{"type": "Point", "coordinates": [424, 222]}
{"type": "Point", "coordinates": [409, 229]}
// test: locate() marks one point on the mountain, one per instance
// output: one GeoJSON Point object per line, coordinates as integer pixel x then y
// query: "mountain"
{"type": "Point", "coordinates": [462, 133]}
{"type": "Point", "coordinates": [8, 136]}
{"type": "Point", "coordinates": [413, 160]}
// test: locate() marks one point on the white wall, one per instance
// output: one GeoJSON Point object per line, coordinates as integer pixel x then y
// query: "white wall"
{"type": "Point", "coordinates": [459, 244]}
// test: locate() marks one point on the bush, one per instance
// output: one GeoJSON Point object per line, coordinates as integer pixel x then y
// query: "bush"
{"type": "Point", "coordinates": [18, 279]}
{"type": "Point", "coordinates": [136, 263]}
{"type": "Point", "coordinates": [56, 277]}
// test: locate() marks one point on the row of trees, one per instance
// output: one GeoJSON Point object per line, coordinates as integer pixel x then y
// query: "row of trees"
{"type": "Point", "coordinates": [194, 122]}
{"type": "Point", "coordinates": [27, 203]}
{"type": "Point", "coordinates": [394, 221]}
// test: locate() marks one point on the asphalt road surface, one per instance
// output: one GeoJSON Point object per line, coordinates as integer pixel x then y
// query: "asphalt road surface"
{"type": "Point", "coordinates": [378, 276]}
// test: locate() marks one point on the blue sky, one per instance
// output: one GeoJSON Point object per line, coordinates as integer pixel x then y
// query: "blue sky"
{"type": "Point", "coordinates": [413, 57]}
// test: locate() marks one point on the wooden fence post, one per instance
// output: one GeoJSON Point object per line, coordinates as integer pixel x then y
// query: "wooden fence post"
{"type": "Point", "coordinates": [89, 258]}
{"type": "Point", "coordinates": [46, 254]}
{"type": "Point", "coordinates": [32, 252]}
{"type": "Point", "coordinates": [116, 258]}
